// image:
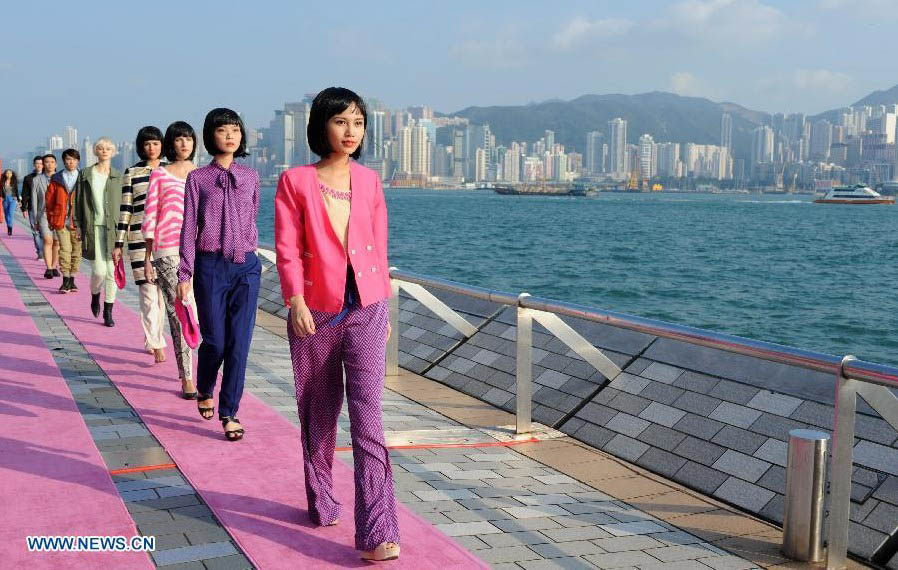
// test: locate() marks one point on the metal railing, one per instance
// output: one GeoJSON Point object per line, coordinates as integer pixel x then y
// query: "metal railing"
{"type": "Point", "coordinates": [853, 377]}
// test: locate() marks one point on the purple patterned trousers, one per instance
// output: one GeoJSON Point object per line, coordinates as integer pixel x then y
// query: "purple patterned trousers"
{"type": "Point", "coordinates": [357, 344]}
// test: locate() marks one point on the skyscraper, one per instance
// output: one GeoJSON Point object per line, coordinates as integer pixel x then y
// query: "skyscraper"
{"type": "Point", "coordinates": [726, 131]}
{"type": "Point", "coordinates": [762, 145]}
{"type": "Point", "coordinates": [70, 137]}
{"type": "Point", "coordinates": [646, 157]}
{"type": "Point", "coordinates": [594, 162]}
{"type": "Point", "coordinates": [420, 147]}
{"type": "Point", "coordinates": [821, 140]}
{"type": "Point", "coordinates": [618, 147]}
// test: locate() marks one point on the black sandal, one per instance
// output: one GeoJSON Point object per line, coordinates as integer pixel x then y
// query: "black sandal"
{"type": "Point", "coordinates": [231, 434]}
{"type": "Point", "coordinates": [188, 395]}
{"type": "Point", "coordinates": [207, 413]}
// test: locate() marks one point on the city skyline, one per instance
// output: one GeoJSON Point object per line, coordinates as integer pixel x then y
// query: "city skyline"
{"type": "Point", "coordinates": [447, 58]}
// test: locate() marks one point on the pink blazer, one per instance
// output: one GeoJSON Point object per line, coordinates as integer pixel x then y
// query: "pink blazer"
{"type": "Point", "coordinates": [310, 258]}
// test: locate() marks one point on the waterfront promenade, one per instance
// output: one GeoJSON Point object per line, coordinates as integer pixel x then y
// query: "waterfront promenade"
{"type": "Point", "coordinates": [98, 443]}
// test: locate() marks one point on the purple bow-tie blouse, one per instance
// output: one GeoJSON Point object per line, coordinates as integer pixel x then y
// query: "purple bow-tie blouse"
{"type": "Point", "coordinates": [220, 210]}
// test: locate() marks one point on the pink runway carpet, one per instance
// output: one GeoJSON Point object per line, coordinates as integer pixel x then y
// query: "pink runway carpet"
{"type": "Point", "coordinates": [54, 482]}
{"type": "Point", "coordinates": [255, 487]}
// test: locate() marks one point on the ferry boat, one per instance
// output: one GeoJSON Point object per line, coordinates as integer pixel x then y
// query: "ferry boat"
{"type": "Point", "coordinates": [857, 194]}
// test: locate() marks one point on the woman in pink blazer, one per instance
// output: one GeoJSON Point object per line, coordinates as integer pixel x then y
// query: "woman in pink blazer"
{"type": "Point", "coordinates": [331, 238]}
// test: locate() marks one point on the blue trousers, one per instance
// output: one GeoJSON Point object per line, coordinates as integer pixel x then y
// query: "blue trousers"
{"type": "Point", "coordinates": [36, 234]}
{"type": "Point", "coordinates": [226, 295]}
{"type": "Point", "coordinates": [9, 210]}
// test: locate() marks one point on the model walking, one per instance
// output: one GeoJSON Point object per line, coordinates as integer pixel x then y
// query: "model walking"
{"type": "Point", "coordinates": [335, 279]}
{"type": "Point", "coordinates": [9, 191]}
{"type": "Point", "coordinates": [162, 224]}
{"type": "Point", "coordinates": [218, 252]}
{"type": "Point", "coordinates": [134, 193]}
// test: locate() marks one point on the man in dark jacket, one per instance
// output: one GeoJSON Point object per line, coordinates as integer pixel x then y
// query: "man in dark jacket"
{"type": "Point", "coordinates": [26, 205]}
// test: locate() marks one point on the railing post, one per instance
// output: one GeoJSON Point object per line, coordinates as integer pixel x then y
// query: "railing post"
{"type": "Point", "coordinates": [524, 368]}
{"type": "Point", "coordinates": [393, 341]}
{"type": "Point", "coordinates": [840, 478]}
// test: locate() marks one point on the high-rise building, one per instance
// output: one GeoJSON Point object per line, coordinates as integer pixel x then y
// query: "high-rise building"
{"type": "Point", "coordinates": [762, 145]}
{"type": "Point", "coordinates": [374, 144]}
{"type": "Point", "coordinates": [420, 156]}
{"type": "Point", "coordinates": [646, 157]}
{"type": "Point", "coordinates": [301, 153]}
{"type": "Point", "coordinates": [550, 139]}
{"type": "Point", "coordinates": [726, 131]}
{"type": "Point", "coordinates": [617, 148]}
{"type": "Point", "coordinates": [458, 153]}
{"type": "Point", "coordinates": [594, 161]}
{"type": "Point", "coordinates": [669, 163]}
{"type": "Point", "coordinates": [55, 144]}
{"type": "Point", "coordinates": [821, 140]}
{"type": "Point", "coordinates": [87, 153]}
{"type": "Point", "coordinates": [404, 155]}
{"type": "Point", "coordinates": [70, 137]}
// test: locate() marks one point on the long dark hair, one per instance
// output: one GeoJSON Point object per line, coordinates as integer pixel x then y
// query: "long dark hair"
{"type": "Point", "coordinates": [14, 180]}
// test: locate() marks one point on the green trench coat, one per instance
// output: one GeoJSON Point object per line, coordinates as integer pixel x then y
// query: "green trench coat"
{"type": "Point", "coordinates": [85, 213]}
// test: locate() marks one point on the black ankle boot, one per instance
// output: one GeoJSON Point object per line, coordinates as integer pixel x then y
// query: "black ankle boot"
{"type": "Point", "coordinates": [72, 286]}
{"type": "Point", "coordinates": [95, 304]}
{"type": "Point", "coordinates": [64, 288]}
{"type": "Point", "coordinates": [107, 315]}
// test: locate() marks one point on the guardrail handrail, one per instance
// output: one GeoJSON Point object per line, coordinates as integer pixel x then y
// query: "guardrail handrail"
{"type": "Point", "coordinates": [881, 374]}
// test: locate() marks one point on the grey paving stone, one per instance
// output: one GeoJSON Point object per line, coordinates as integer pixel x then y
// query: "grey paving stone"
{"type": "Point", "coordinates": [627, 543]}
{"type": "Point", "coordinates": [629, 403]}
{"type": "Point", "coordinates": [864, 541]}
{"type": "Point", "coordinates": [507, 554]}
{"type": "Point", "coordinates": [678, 553]}
{"type": "Point", "coordinates": [774, 479]}
{"type": "Point", "coordinates": [661, 462]}
{"type": "Point", "coordinates": [700, 477]}
{"type": "Point", "coordinates": [595, 413]}
{"type": "Point", "coordinates": [522, 538]}
{"type": "Point", "coordinates": [876, 456]}
{"type": "Point", "coordinates": [662, 414]}
{"type": "Point", "coordinates": [468, 528]}
{"type": "Point", "coordinates": [739, 439]}
{"type": "Point", "coordinates": [562, 563]}
{"type": "Point", "coordinates": [663, 393]}
{"type": "Point", "coordinates": [743, 494]}
{"type": "Point", "coordinates": [563, 549]}
{"type": "Point", "coordinates": [883, 518]}
{"type": "Point", "coordinates": [621, 559]}
{"type": "Point", "coordinates": [535, 511]}
{"type": "Point", "coordinates": [663, 373]}
{"type": "Point", "coordinates": [626, 448]}
{"type": "Point", "coordinates": [576, 533]}
{"type": "Point", "coordinates": [193, 553]}
{"type": "Point", "coordinates": [588, 519]}
{"type": "Point", "coordinates": [629, 383]}
{"type": "Point", "coordinates": [778, 404]}
{"type": "Point", "coordinates": [699, 450]}
{"type": "Point", "coordinates": [729, 562]}
{"type": "Point", "coordinates": [733, 392]}
{"type": "Point", "coordinates": [660, 436]}
{"type": "Point", "coordinates": [627, 424]}
{"type": "Point", "coordinates": [630, 528]}
{"type": "Point", "coordinates": [740, 465]}
{"type": "Point", "coordinates": [697, 403]}
{"type": "Point", "coordinates": [700, 427]}
{"type": "Point", "coordinates": [516, 525]}
{"type": "Point", "coordinates": [733, 414]}
{"type": "Point", "coordinates": [814, 413]}
{"type": "Point", "coordinates": [774, 451]}
{"type": "Point", "coordinates": [775, 426]}
{"type": "Point", "coordinates": [552, 379]}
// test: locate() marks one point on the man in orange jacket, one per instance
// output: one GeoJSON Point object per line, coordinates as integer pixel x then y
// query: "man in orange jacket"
{"type": "Point", "coordinates": [60, 200]}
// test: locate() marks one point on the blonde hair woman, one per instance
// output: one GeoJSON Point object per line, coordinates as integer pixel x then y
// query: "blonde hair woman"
{"type": "Point", "coordinates": [97, 203]}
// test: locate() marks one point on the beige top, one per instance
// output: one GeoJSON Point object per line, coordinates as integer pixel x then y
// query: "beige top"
{"type": "Point", "coordinates": [337, 204]}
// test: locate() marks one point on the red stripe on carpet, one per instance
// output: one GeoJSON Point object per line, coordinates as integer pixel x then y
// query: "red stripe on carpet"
{"type": "Point", "coordinates": [255, 487]}
{"type": "Point", "coordinates": [54, 481]}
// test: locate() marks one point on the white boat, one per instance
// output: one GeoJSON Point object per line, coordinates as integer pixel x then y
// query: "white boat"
{"type": "Point", "coordinates": [857, 194]}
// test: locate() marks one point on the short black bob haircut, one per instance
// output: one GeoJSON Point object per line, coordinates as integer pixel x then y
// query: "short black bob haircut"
{"type": "Point", "coordinates": [332, 101]}
{"type": "Point", "coordinates": [71, 152]}
{"type": "Point", "coordinates": [175, 130]}
{"type": "Point", "coordinates": [148, 133]}
{"type": "Point", "coordinates": [218, 118]}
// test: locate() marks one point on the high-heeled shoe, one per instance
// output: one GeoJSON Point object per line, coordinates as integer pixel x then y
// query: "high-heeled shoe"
{"type": "Point", "coordinates": [384, 551]}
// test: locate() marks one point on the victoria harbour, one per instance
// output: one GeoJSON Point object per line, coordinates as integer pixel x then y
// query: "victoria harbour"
{"type": "Point", "coordinates": [777, 268]}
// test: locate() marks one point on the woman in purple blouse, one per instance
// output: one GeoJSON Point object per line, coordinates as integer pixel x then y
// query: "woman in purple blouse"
{"type": "Point", "coordinates": [218, 252]}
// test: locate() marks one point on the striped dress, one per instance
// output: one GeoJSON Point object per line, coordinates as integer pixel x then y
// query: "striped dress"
{"type": "Point", "coordinates": [130, 222]}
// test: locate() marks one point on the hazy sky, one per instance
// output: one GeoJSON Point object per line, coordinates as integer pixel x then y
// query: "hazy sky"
{"type": "Point", "coordinates": [109, 67]}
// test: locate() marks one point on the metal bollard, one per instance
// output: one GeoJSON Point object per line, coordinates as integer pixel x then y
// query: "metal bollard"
{"type": "Point", "coordinates": [805, 486]}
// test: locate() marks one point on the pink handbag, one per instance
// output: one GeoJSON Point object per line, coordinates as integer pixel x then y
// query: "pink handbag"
{"type": "Point", "coordinates": [190, 328]}
{"type": "Point", "coordinates": [120, 273]}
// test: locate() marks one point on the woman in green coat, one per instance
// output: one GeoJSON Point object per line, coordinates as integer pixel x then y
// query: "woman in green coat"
{"type": "Point", "coordinates": [97, 202]}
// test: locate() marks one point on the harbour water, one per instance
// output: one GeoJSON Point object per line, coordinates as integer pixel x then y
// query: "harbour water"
{"type": "Point", "coordinates": [771, 267]}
